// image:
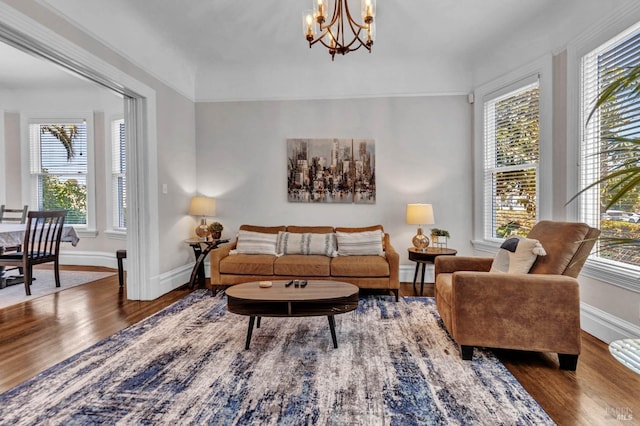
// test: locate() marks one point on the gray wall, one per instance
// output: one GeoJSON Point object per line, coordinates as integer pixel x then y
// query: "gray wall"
{"type": "Point", "coordinates": [423, 154]}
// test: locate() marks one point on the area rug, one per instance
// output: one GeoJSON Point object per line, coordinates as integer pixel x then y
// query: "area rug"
{"type": "Point", "coordinates": [45, 284]}
{"type": "Point", "coordinates": [394, 365]}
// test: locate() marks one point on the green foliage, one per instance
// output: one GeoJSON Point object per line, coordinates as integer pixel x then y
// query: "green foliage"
{"type": "Point", "coordinates": [216, 227]}
{"type": "Point", "coordinates": [511, 228]}
{"type": "Point", "coordinates": [64, 134]}
{"type": "Point", "coordinates": [435, 232]}
{"type": "Point", "coordinates": [68, 195]}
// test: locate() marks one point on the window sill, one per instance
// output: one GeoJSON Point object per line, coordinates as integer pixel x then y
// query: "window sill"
{"type": "Point", "coordinates": [116, 235]}
{"type": "Point", "coordinates": [86, 233]}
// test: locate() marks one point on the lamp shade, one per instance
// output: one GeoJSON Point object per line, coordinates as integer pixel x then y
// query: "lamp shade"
{"type": "Point", "coordinates": [420, 214]}
{"type": "Point", "coordinates": [202, 206]}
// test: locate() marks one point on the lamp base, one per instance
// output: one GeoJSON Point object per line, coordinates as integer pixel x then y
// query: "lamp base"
{"type": "Point", "coordinates": [420, 241]}
{"type": "Point", "coordinates": [202, 230]}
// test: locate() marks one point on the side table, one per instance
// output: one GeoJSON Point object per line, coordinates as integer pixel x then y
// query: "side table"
{"type": "Point", "coordinates": [424, 257]}
{"type": "Point", "coordinates": [201, 249]}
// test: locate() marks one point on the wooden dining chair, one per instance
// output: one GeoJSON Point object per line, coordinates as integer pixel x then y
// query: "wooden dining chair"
{"type": "Point", "coordinates": [13, 216]}
{"type": "Point", "coordinates": [41, 244]}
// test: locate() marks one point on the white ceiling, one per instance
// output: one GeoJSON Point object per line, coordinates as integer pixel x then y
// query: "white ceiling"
{"type": "Point", "coordinates": [250, 49]}
{"type": "Point", "coordinates": [19, 70]}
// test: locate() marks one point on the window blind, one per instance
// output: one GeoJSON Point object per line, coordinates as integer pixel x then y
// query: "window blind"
{"type": "Point", "coordinates": [118, 175]}
{"type": "Point", "coordinates": [58, 163]}
{"type": "Point", "coordinates": [618, 118]}
{"type": "Point", "coordinates": [512, 152]}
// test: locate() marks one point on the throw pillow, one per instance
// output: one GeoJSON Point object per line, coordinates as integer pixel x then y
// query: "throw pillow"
{"type": "Point", "coordinates": [367, 243]}
{"type": "Point", "coordinates": [306, 243]}
{"type": "Point", "coordinates": [250, 242]}
{"type": "Point", "coordinates": [517, 255]}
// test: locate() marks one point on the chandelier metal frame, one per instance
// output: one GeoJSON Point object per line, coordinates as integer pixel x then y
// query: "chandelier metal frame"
{"type": "Point", "coordinates": [332, 35]}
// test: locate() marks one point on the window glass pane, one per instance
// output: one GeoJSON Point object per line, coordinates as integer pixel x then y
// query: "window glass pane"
{"type": "Point", "coordinates": [118, 175]}
{"type": "Point", "coordinates": [607, 145]}
{"type": "Point", "coordinates": [512, 152]}
{"type": "Point", "coordinates": [59, 168]}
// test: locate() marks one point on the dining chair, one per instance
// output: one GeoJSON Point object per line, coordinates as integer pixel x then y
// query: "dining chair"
{"type": "Point", "coordinates": [41, 244]}
{"type": "Point", "coordinates": [13, 216]}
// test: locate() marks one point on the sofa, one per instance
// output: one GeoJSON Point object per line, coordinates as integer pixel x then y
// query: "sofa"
{"type": "Point", "coordinates": [361, 256]}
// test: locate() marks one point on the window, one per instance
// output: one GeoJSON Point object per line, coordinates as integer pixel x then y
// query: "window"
{"type": "Point", "coordinates": [601, 133]}
{"type": "Point", "coordinates": [118, 176]}
{"type": "Point", "coordinates": [58, 167]}
{"type": "Point", "coordinates": [511, 157]}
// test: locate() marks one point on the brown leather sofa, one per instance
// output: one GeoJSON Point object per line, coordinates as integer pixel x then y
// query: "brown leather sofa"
{"type": "Point", "coordinates": [370, 272]}
{"type": "Point", "coordinates": [538, 311]}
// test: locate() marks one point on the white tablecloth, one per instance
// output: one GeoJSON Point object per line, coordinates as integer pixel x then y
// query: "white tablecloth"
{"type": "Point", "coordinates": [12, 234]}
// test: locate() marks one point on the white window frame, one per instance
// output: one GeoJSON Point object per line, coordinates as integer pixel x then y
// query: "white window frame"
{"type": "Point", "coordinates": [541, 70]}
{"type": "Point", "coordinates": [620, 275]}
{"type": "Point", "coordinates": [112, 231]}
{"type": "Point", "coordinates": [89, 230]}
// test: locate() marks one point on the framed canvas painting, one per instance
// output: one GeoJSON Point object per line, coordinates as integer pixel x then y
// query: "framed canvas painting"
{"type": "Point", "coordinates": [331, 171]}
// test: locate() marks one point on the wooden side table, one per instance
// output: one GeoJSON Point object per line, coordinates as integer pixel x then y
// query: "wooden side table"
{"type": "Point", "coordinates": [201, 254]}
{"type": "Point", "coordinates": [424, 257]}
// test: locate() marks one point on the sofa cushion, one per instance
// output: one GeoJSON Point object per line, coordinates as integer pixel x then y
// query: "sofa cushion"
{"type": "Point", "coordinates": [516, 255]}
{"type": "Point", "coordinates": [359, 266]}
{"type": "Point", "coordinates": [248, 264]}
{"type": "Point", "coordinates": [307, 244]}
{"type": "Point", "coordinates": [302, 265]}
{"type": "Point", "coordinates": [250, 242]}
{"type": "Point", "coordinates": [368, 243]}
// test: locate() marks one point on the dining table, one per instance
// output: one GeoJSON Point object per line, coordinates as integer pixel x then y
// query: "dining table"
{"type": "Point", "coordinates": [12, 234]}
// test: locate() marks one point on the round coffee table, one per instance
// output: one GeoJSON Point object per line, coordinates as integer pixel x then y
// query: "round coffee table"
{"type": "Point", "coordinates": [317, 298]}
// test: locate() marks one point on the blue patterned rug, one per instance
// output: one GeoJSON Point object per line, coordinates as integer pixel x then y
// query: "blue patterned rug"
{"type": "Point", "coordinates": [395, 365]}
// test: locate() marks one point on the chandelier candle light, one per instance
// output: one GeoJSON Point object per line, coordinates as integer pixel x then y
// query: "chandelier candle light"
{"type": "Point", "coordinates": [203, 207]}
{"type": "Point", "coordinates": [420, 214]}
{"type": "Point", "coordinates": [332, 34]}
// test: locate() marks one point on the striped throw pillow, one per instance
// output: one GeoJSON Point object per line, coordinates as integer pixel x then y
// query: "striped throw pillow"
{"type": "Point", "coordinates": [306, 244]}
{"type": "Point", "coordinates": [250, 242]}
{"type": "Point", "coordinates": [367, 243]}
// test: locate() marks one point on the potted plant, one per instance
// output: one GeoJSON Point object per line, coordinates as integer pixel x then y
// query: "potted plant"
{"type": "Point", "coordinates": [439, 237]}
{"type": "Point", "coordinates": [216, 230]}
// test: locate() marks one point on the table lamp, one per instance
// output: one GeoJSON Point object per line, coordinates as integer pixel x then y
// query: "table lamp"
{"type": "Point", "coordinates": [420, 214]}
{"type": "Point", "coordinates": [203, 207]}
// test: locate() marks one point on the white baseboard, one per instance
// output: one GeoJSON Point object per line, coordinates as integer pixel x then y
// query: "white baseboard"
{"type": "Point", "coordinates": [89, 258]}
{"type": "Point", "coordinates": [407, 272]}
{"type": "Point", "coordinates": [162, 284]}
{"type": "Point", "coordinates": [173, 279]}
{"type": "Point", "coordinates": [605, 326]}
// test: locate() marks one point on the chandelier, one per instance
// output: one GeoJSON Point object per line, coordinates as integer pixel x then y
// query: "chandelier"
{"type": "Point", "coordinates": [342, 34]}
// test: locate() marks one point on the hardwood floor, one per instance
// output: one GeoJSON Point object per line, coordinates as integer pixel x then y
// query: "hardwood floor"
{"type": "Point", "coordinates": [40, 333]}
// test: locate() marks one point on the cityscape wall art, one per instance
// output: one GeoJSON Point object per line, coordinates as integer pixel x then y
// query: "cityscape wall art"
{"type": "Point", "coordinates": [331, 171]}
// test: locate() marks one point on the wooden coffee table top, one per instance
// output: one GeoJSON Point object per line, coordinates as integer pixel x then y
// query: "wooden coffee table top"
{"type": "Point", "coordinates": [317, 298]}
{"type": "Point", "coordinates": [316, 290]}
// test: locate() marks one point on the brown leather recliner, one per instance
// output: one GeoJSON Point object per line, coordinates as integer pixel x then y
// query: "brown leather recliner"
{"type": "Point", "coordinates": [538, 311]}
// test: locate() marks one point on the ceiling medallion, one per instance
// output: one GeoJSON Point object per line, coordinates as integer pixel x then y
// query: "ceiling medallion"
{"type": "Point", "coordinates": [332, 35]}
